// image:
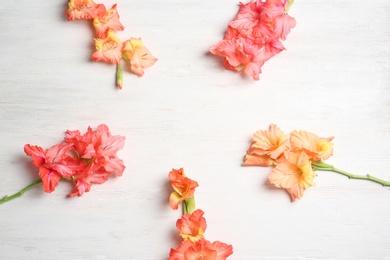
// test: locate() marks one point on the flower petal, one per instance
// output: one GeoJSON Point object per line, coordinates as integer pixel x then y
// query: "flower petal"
{"type": "Point", "coordinates": [37, 153]}
{"type": "Point", "coordinates": [49, 178]}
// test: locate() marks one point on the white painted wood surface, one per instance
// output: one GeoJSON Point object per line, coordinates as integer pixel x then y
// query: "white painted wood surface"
{"type": "Point", "coordinates": [188, 111]}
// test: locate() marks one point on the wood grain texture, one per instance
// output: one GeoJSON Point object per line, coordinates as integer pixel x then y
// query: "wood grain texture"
{"type": "Point", "coordinates": [188, 111]}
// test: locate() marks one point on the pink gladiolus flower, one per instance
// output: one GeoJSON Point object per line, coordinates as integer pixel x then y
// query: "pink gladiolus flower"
{"type": "Point", "coordinates": [253, 37]}
{"type": "Point", "coordinates": [201, 249]}
{"type": "Point", "coordinates": [294, 174]}
{"type": "Point", "coordinates": [267, 146]}
{"type": "Point", "coordinates": [108, 49]}
{"type": "Point", "coordinates": [241, 54]}
{"type": "Point", "coordinates": [183, 186]}
{"type": "Point", "coordinates": [109, 21]}
{"type": "Point", "coordinates": [84, 9]}
{"type": "Point", "coordinates": [192, 226]}
{"type": "Point", "coordinates": [137, 55]}
{"type": "Point", "coordinates": [53, 163]}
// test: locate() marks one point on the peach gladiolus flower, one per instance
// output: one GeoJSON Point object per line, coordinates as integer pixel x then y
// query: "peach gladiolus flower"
{"type": "Point", "coordinates": [183, 186]}
{"type": "Point", "coordinates": [84, 9]}
{"type": "Point", "coordinates": [109, 21]}
{"type": "Point", "coordinates": [108, 49]}
{"type": "Point", "coordinates": [267, 146]}
{"type": "Point", "coordinates": [294, 173]}
{"type": "Point", "coordinates": [201, 249]}
{"type": "Point", "coordinates": [317, 148]}
{"type": "Point", "coordinates": [139, 57]}
{"type": "Point", "coordinates": [192, 226]}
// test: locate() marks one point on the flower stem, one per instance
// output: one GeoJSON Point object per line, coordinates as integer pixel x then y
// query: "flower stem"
{"type": "Point", "coordinates": [189, 205]}
{"type": "Point", "coordinates": [289, 5]}
{"type": "Point", "coordinates": [322, 166]}
{"type": "Point", "coordinates": [20, 193]}
{"type": "Point", "coordinates": [119, 76]}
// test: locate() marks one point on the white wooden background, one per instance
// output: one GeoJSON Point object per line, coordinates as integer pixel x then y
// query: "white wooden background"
{"type": "Point", "coordinates": [188, 111]}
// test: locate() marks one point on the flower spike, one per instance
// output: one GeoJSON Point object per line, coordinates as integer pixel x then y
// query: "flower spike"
{"type": "Point", "coordinates": [108, 47]}
{"type": "Point", "coordinates": [253, 37]}
{"type": "Point", "coordinates": [192, 225]}
{"type": "Point", "coordinates": [295, 158]}
{"type": "Point", "coordinates": [83, 160]}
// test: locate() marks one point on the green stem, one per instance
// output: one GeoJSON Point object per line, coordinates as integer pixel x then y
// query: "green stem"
{"type": "Point", "coordinates": [119, 76]}
{"type": "Point", "coordinates": [322, 166]}
{"type": "Point", "coordinates": [189, 205]}
{"type": "Point", "coordinates": [289, 5]}
{"type": "Point", "coordinates": [20, 193]}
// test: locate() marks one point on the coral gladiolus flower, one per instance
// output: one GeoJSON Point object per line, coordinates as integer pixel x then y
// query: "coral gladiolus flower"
{"type": "Point", "coordinates": [184, 187]}
{"type": "Point", "coordinates": [53, 163]}
{"type": "Point", "coordinates": [201, 249]}
{"type": "Point", "coordinates": [137, 55]}
{"type": "Point", "coordinates": [106, 22]}
{"type": "Point", "coordinates": [108, 49]}
{"type": "Point", "coordinates": [294, 174]}
{"type": "Point", "coordinates": [192, 226]}
{"type": "Point", "coordinates": [267, 146]}
{"type": "Point", "coordinates": [317, 148]}
{"type": "Point", "coordinates": [84, 9]}
{"type": "Point", "coordinates": [240, 54]}
{"type": "Point", "coordinates": [97, 149]}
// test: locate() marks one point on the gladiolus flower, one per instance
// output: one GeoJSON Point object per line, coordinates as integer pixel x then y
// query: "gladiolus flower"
{"type": "Point", "coordinates": [294, 174]}
{"type": "Point", "coordinates": [315, 147]}
{"type": "Point", "coordinates": [83, 159]}
{"type": "Point", "coordinates": [84, 9]}
{"type": "Point", "coordinates": [253, 37]}
{"type": "Point", "coordinates": [99, 147]}
{"type": "Point", "coordinates": [240, 54]}
{"type": "Point", "coordinates": [108, 49]}
{"type": "Point", "coordinates": [109, 21]}
{"type": "Point", "coordinates": [53, 163]}
{"type": "Point", "coordinates": [267, 146]}
{"type": "Point", "coordinates": [201, 249]}
{"type": "Point", "coordinates": [192, 226]}
{"type": "Point", "coordinates": [183, 186]}
{"type": "Point", "coordinates": [137, 55]}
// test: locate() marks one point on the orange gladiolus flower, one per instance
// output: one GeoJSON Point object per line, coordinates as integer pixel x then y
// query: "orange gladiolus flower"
{"type": "Point", "coordinates": [184, 187]}
{"type": "Point", "coordinates": [201, 249]}
{"type": "Point", "coordinates": [267, 146]}
{"type": "Point", "coordinates": [294, 173]}
{"type": "Point", "coordinates": [317, 148]}
{"type": "Point", "coordinates": [108, 49]}
{"type": "Point", "coordinates": [139, 57]}
{"type": "Point", "coordinates": [84, 9]}
{"type": "Point", "coordinates": [109, 21]}
{"type": "Point", "coordinates": [192, 226]}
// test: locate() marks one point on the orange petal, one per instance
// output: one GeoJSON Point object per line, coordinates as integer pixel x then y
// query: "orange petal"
{"type": "Point", "coordinates": [257, 160]}
{"type": "Point", "coordinates": [174, 200]}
